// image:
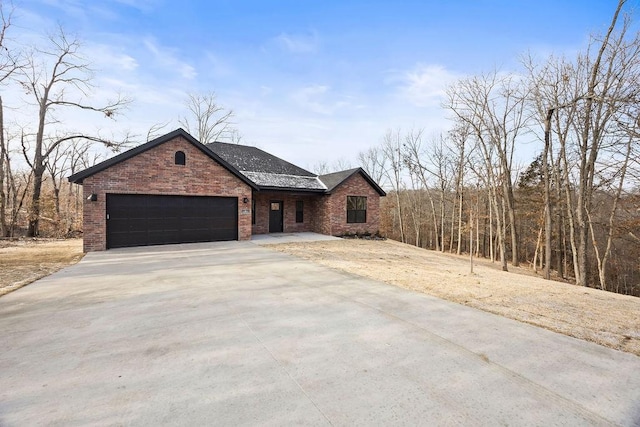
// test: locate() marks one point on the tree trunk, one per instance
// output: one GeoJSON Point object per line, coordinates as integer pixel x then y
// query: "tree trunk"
{"type": "Point", "coordinates": [460, 202]}
{"type": "Point", "coordinates": [38, 168]}
{"type": "Point", "coordinates": [442, 215]}
{"type": "Point", "coordinates": [602, 260]}
{"type": "Point", "coordinates": [453, 221]}
{"type": "Point", "coordinates": [502, 235]}
{"type": "Point", "coordinates": [511, 213]}
{"type": "Point", "coordinates": [436, 228]}
{"type": "Point", "coordinates": [34, 214]}
{"type": "Point", "coordinates": [4, 230]}
{"type": "Point", "coordinates": [589, 151]}
{"type": "Point", "coordinates": [491, 246]}
{"type": "Point", "coordinates": [471, 241]}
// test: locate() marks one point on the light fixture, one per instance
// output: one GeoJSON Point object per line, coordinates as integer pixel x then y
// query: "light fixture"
{"type": "Point", "coordinates": [93, 197]}
{"type": "Point", "coordinates": [245, 200]}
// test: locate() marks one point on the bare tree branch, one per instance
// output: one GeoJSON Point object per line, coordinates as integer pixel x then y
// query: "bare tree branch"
{"type": "Point", "coordinates": [207, 120]}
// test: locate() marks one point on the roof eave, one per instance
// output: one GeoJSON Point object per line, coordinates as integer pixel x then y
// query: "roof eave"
{"type": "Point", "coordinates": [367, 178]}
{"type": "Point", "coordinates": [293, 189]}
{"type": "Point", "coordinates": [79, 177]}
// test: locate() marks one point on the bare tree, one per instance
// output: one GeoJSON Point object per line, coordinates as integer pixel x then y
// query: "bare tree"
{"type": "Point", "coordinates": [207, 120]}
{"type": "Point", "coordinates": [392, 151]}
{"type": "Point", "coordinates": [584, 104]}
{"type": "Point", "coordinates": [321, 167]}
{"type": "Point", "coordinates": [492, 106]}
{"type": "Point", "coordinates": [3, 165]}
{"type": "Point", "coordinates": [415, 155]}
{"type": "Point", "coordinates": [15, 188]}
{"type": "Point", "coordinates": [235, 136]}
{"type": "Point", "coordinates": [374, 163]}
{"type": "Point", "coordinates": [57, 78]}
{"type": "Point", "coordinates": [458, 137]}
{"type": "Point", "coordinates": [341, 164]}
{"type": "Point", "coordinates": [10, 59]}
{"type": "Point", "coordinates": [156, 130]}
{"type": "Point", "coordinates": [9, 64]}
{"type": "Point", "coordinates": [611, 73]}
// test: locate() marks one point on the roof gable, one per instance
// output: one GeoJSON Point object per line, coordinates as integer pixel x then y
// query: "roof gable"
{"type": "Point", "coordinates": [79, 177]}
{"type": "Point", "coordinates": [334, 180]}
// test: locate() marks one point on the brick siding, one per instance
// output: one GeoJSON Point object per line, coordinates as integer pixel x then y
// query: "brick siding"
{"type": "Point", "coordinates": [324, 214]}
{"type": "Point", "coordinates": [155, 172]}
{"type": "Point", "coordinates": [333, 208]}
{"type": "Point", "coordinates": [290, 225]}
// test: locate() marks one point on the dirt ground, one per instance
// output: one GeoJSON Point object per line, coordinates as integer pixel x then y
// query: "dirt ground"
{"type": "Point", "coordinates": [24, 261]}
{"type": "Point", "coordinates": [606, 318]}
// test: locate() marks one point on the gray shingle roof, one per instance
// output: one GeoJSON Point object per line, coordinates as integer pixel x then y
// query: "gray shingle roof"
{"type": "Point", "coordinates": [253, 159]}
{"type": "Point", "coordinates": [275, 180]}
{"type": "Point", "coordinates": [332, 180]}
{"type": "Point", "coordinates": [266, 170]}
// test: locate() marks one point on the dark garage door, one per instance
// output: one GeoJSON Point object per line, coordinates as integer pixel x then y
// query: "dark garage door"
{"type": "Point", "coordinates": [141, 220]}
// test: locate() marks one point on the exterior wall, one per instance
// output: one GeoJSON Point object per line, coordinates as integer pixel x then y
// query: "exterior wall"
{"type": "Point", "coordinates": [289, 209]}
{"type": "Point", "coordinates": [333, 208]}
{"type": "Point", "coordinates": [155, 172]}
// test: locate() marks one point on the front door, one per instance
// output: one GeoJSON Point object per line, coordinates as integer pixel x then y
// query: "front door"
{"type": "Point", "coordinates": [275, 216]}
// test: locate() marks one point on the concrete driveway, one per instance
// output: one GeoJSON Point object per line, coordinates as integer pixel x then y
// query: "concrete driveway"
{"type": "Point", "coordinates": [238, 334]}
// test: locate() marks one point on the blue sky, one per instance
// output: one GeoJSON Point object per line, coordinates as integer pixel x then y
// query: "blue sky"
{"type": "Point", "coordinates": [308, 80]}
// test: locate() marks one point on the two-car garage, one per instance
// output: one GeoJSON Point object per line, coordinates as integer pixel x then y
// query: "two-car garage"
{"type": "Point", "coordinates": [170, 190]}
{"type": "Point", "coordinates": [145, 219]}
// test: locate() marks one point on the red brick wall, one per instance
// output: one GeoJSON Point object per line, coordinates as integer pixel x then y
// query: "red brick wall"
{"type": "Point", "coordinates": [155, 172]}
{"type": "Point", "coordinates": [289, 222]}
{"type": "Point", "coordinates": [333, 208]}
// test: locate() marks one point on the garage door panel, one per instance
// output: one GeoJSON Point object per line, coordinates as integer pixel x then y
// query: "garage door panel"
{"type": "Point", "coordinates": [223, 224]}
{"type": "Point", "coordinates": [139, 220]}
{"type": "Point", "coordinates": [162, 224]}
{"type": "Point", "coordinates": [196, 235]}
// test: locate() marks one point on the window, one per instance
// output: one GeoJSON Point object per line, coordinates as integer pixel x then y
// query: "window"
{"type": "Point", "coordinates": [253, 211]}
{"type": "Point", "coordinates": [180, 158]}
{"type": "Point", "coordinates": [299, 211]}
{"type": "Point", "coordinates": [356, 209]}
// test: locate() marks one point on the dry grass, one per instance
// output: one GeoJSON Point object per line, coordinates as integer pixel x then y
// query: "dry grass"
{"type": "Point", "coordinates": [606, 318]}
{"type": "Point", "coordinates": [24, 261]}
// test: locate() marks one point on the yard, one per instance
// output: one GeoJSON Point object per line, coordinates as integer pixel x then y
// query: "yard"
{"type": "Point", "coordinates": [24, 261]}
{"type": "Point", "coordinates": [606, 318]}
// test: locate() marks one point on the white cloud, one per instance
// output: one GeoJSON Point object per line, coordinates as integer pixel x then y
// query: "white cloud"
{"type": "Point", "coordinates": [167, 58]}
{"type": "Point", "coordinates": [425, 85]}
{"type": "Point", "coordinates": [317, 98]}
{"type": "Point", "coordinates": [110, 59]}
{"type": "Point", "coordinates": [298, 43]}
{"type": "Point", "coordinates": [142, 5]}
{"type": "Point", "coordinates": [218, 66]}
{"type": "Point", "coordinates": [265, 90]}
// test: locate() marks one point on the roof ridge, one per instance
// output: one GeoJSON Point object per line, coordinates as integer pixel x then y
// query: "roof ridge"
{"type": "Point", "coordinates": [283, 174]}
{"type": "Point", "coordinates": [342, 171]}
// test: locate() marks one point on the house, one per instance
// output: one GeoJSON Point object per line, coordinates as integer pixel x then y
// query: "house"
{"type": "Point", "coordinates": [176, 190]}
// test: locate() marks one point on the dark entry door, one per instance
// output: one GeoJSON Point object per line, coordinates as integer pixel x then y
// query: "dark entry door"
{"type": "Point", "coordinates": [144, 219]}
{"type": "Point", "coordinates": [275, 217]}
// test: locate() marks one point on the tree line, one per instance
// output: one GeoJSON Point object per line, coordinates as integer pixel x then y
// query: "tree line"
{"type": "Point", "coordinates": [39, 145]}
{"type": "Point", "coordinates": [573, 212]}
